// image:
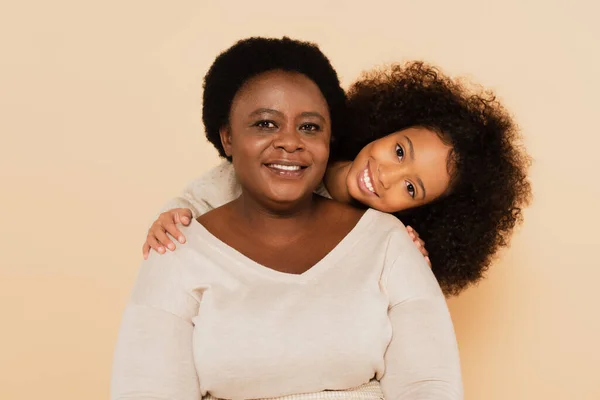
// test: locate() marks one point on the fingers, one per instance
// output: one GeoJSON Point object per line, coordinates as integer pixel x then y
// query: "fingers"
{"type": "Point", "coordinates": [166, 223]}
{"type": "Point", "coordinates": [145, 250]}
{"type": "Point", "coordinates": [157, 238]}
{"type": "Point", "coordinates": [174, 217]}
{"type": "Point", "coordinates": [421, 246]}
{"type": "Point", "coordinates": [183, 215]}
{"type": "Point", "coordinates": [419, 243]}
{"type": "Point", "coordinates": [171, 228]}
{"type": "Point", "coordinates": [153, 242]}
{"type": "Point", "coordinates": [413, 234]}
{"type": "Point", "coordinates": [163, 239]}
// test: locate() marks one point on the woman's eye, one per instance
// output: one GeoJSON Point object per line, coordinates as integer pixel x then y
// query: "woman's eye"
{"type": "Point", "coordinates": [265, 124]}
{"type": "Point", "coordinates": [399, 152]}
{"type": "Point", "coordinates": [310, 127]}
{"type": "Point", "coordinates": [410, 189]}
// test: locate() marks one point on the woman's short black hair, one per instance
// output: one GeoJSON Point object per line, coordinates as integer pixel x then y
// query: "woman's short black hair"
{"type": "Point", "coordinates": [251, 57]}
{"type": "Point", "coordinates": [466, 227]}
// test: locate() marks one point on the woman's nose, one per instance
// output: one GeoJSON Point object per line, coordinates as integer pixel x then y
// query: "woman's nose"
{"type": "Point", "coordinates": [288, 139]}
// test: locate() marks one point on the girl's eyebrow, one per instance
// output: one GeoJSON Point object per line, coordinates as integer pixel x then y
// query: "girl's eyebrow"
{"type": "Point", "coordinates": [420, 182]}
{"type": "Point", "coordinates": [411, 151]}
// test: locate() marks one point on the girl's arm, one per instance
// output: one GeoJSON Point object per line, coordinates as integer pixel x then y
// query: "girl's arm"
{"type": "Point", "coordinates": [216, 187]}
{"type": "Point", "coordinates": [213, 189]}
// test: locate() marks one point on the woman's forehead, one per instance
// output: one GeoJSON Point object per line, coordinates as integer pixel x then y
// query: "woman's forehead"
{"type": "Point", "coordinates": [276, 89]}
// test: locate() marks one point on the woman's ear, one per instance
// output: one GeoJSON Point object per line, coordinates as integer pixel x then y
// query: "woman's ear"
{"type": "Point", "coordinates": [225, 134]}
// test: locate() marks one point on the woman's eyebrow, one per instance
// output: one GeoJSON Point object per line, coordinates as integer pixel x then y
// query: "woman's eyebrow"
{"type": "Point", "coordinates": [259, 111]}
{"type": "Point", "coordinates": [312, 114]}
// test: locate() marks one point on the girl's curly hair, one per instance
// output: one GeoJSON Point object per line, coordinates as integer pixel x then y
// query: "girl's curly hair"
{"type": "Point", "coordinates": [465, 228]}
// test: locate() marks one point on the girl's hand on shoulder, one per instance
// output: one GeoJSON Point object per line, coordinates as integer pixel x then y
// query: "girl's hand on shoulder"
{"type": "Point", "coordinates": [419, 243]}
{"type": "Point", "coordinates": [157, 238]}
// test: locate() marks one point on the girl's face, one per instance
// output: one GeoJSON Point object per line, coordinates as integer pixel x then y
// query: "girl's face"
{"type": "Point", "coordinates": [278, 137]}
{"type": "Point", "coordinates": [403, 170]}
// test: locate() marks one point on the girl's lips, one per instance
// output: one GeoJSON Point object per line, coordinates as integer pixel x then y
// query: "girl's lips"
{"type": "Point", "coordinates": [365, 181]}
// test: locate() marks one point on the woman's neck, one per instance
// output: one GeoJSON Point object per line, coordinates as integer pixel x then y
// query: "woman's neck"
{"type": "Point", "coordinates": [274, 220]}
{"type": "Point", "coordinates": [335, 181]}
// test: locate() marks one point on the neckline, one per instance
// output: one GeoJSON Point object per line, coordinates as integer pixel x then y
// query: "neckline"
{"type": "Point", "coordinates": [347, 243]}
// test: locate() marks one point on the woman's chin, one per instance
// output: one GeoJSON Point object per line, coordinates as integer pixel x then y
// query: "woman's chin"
{"type": "Point", "coordinates": [288, 196]}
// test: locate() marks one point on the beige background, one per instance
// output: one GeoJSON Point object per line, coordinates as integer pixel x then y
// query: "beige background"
{"type": "Point", "coordinates": [100, 125]}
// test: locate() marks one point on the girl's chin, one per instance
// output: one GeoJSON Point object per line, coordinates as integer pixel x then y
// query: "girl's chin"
{"type": "Point", "coordinates": [359, 200]}
{"type": "Point", "coordinates": [369, 203]}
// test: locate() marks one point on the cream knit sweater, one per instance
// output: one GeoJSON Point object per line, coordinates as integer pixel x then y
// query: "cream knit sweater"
{"type": "Point", "coordinates": [207, 321]}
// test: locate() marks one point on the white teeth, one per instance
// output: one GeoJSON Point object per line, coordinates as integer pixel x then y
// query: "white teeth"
{"type": "Point", "coordinates": [285, 167]}
{"type": "Point", "coordinates": [367, 180]}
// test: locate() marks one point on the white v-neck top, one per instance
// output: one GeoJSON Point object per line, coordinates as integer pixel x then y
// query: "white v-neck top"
{"type": "Point", "coordinates": [206, 319]}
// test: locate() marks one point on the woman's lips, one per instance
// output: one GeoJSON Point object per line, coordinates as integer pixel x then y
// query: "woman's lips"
{"type": "Point", "coordinates": [287, 170]}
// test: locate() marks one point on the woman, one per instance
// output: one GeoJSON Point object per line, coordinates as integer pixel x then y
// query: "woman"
{"type": "Point", "coordinates": [403, 121]}
{"type": "Point", "coordinates": [235, 314]}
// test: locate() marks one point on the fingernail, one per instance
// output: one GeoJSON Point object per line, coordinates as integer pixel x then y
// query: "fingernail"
{"type": "Point", "coordinates": [185, 220]}
{"type": "Point", "coordinates": [161, 250]}
{"type": "Point", "coordinates": [171, 246]}
{"type": "Point", "coordinates": [181, 239]}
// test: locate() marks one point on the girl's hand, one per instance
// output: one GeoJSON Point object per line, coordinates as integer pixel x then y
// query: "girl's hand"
{"type": "Point", "coordinates": [157, 238]}
{"type": "Point", "coordinates": [419, 243]}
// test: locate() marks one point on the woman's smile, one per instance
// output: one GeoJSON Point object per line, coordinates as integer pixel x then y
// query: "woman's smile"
{"type": "Point", "coordinates": [286, 169]}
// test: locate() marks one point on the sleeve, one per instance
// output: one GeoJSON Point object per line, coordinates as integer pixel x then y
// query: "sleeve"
{"type": "Point", "coordinates": [154, 353]}
{"type": "Point", "coordinates": [422, 360]}
{"type": "Point", "coordinates": [215, 188]}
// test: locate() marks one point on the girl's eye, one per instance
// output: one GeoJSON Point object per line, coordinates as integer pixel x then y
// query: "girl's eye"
{"type": "Point", "coordinates": [265, 124]}
{"type": "Point", "coordinates": [410, 189]}
{"type": "Point", "coordinates": [399, 152]}
{"type": "Point", "coordinates": [310, 127]}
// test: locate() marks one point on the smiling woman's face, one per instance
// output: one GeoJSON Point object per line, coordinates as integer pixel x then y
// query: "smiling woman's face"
{"type": "Point", "coordinates": [403, 170]}
{"type": "Point", "coordinates": [278, 137]}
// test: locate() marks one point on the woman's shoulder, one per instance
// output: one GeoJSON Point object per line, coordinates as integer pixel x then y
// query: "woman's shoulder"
{"type": "Point", "coordinates": [198, 241]}
{"type": "Point", "coordinates": [375, 227]}
{"type": "Point", "coordinates": [387, 220]}
{"type": "Point", "coordinates": [389, 234]}
{"type": "Point", "coordinates": [385, 223]}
